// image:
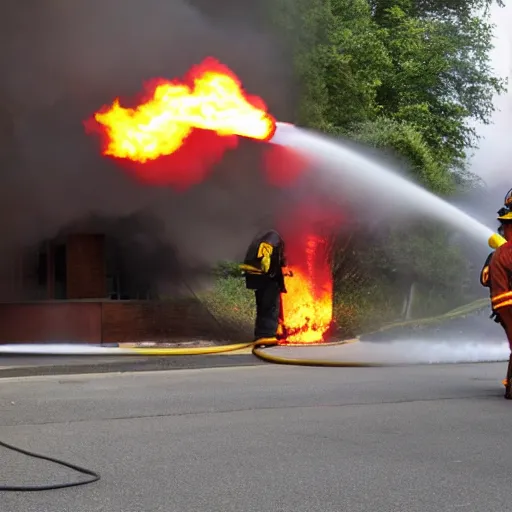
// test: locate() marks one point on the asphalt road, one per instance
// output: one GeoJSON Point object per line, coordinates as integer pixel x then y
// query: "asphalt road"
{"type": "Point", "coordinates": [264, 439]}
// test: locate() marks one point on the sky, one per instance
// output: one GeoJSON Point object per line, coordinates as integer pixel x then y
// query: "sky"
{"type": "Point", "coordinates": [493, 160]}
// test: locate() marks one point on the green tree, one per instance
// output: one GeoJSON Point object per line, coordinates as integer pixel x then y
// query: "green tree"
{"type": "Point", "coordinates": [440, 79]}
{"type": "Point", "coordinates": [408, 77]}
{"type": "Point", "coordinates": [422, 62]}
{"type": "Point", "coordinates": [339, 59]}
{"type": "Point", "coordinates": [437, 8]}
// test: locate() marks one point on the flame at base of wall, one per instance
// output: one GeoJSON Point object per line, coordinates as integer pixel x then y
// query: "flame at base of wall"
{"type": "Point", "coordinates": [307, 307]}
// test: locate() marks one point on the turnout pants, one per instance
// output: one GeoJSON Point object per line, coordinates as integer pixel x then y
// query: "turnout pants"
{"type": "Point", "coordinates": [268, 305]}
{"type": "Point", "coordinates": [505, 316]}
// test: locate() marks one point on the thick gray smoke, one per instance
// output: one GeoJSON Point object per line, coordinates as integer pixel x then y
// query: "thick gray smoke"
{"type": "Point", "coordinates": [61, 61]}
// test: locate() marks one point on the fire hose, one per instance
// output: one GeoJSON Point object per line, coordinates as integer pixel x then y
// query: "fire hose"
{"type": "Point", "coordinates": [94, 477]}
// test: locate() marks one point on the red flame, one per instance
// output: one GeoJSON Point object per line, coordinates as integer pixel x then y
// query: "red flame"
{"type": "Point", "coordinates": [307, 307]}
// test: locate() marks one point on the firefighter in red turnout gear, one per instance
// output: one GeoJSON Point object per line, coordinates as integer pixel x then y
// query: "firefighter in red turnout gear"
{"type": "Point", "coordinates": [497, 276]}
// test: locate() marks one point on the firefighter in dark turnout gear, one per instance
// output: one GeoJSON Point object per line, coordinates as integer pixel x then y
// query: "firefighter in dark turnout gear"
{"type": "Point", "coordinates": [264, 268]}
{"type": "Point", "coordinates": [497, 276]}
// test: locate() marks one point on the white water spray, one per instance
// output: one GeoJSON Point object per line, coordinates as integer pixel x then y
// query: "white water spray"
{"type": "Point", "coordinates": [393, 353]}
{"type": "Point", "coordinates": [341, 161]}
{"type": "Point", "coordinates": [342, 165]}
{"type": "Point", "coordinates": [410, 352]}
{"type": "Point", "coordinates": [439, 352]}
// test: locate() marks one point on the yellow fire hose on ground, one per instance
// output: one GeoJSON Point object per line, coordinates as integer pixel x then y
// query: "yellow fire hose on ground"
{"type": "Point", "coordinates": [258, 350]}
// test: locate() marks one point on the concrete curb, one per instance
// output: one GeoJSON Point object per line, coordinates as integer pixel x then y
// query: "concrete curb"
{"type": "Point", "coordinates": [128, 364]}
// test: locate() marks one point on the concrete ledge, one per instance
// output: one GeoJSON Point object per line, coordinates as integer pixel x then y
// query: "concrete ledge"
{"type": "Point", "coordinates": [16, 366]}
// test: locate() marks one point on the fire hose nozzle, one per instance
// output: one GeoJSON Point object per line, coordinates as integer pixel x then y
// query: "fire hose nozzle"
{"type": "Point", "coordinates": [496, 241]}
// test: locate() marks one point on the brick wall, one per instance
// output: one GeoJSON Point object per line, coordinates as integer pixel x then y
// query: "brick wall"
{"type": "Point", "coordinates": [86, 267]}
{"type": "Point", "coordinates": [108, 322]}
{"type": "Point", "coordinates": [71, 322]}
{"type": "Point", "coordinates": [157, 321]}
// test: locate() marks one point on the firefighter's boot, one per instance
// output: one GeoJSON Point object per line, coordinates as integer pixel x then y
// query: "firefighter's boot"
{"type": "Point", "coordinates": [266, 342]}
{"type": "Point", "coordinates": [508, 381]}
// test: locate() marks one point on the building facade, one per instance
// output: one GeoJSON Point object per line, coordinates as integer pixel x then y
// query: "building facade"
{"type": "Point", "coordinates": [74, 289]}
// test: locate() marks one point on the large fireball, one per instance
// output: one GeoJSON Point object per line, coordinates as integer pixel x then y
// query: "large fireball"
{"type": "Point", "coordinates": [211, 98]}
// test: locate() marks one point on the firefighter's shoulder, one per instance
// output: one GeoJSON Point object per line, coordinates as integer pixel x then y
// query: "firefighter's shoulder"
{"type": "Point", "coordinates": [488, 259]}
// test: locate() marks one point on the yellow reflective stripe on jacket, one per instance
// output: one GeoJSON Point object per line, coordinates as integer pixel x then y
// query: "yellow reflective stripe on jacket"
{"type": "Point", "coordinates": [484, 277]}
{"type": "Point", "coordinates": [265, 253]}
{"type": "Point", "coordinates": [502, 297]}
{"type": "Point", "coordinates": [503, 304]}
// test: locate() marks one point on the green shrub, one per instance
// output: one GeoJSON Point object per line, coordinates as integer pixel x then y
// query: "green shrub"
{"type": "Point", "coordinates": [231, 304]}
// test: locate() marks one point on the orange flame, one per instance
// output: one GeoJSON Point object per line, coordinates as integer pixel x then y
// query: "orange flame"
{"type": "Point", "coordinates": [161, 124]}
{"type": "Point", "coordinates": [307, 305]}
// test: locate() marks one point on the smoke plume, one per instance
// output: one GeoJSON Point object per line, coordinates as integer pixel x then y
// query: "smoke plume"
{"type": "Point", "coordinates": [61, 61]}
